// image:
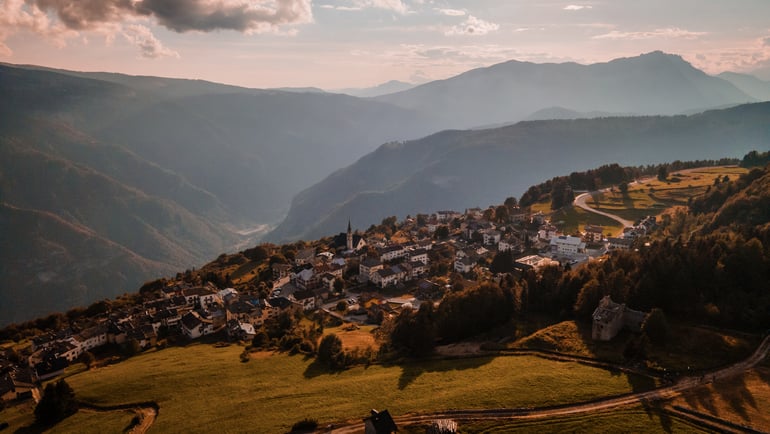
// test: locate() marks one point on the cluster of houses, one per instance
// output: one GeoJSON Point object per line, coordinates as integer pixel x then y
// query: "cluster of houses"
{"type": "Point", "coordinates": [312, 278]}
{"type": "Point", "coordinates": [186, 311]}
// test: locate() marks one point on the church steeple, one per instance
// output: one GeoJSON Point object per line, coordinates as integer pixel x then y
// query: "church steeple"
{"type": "Point", "coordinates": [350, 237]}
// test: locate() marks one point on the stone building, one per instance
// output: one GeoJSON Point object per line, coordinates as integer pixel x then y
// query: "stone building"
{"type": "Point", "coordinates": [610, 317]}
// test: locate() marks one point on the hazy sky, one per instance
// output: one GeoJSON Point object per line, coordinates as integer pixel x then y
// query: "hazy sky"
{"type": "Point", "coordinates": [355, 43]}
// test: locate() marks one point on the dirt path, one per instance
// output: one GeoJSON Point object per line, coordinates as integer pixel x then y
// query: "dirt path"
{"type": "Point", "coordinates": [146, 419]}
{"type": "Point", "coordinates": [663, 393]}
{"type": "Point", "coordinates": [146, 413]}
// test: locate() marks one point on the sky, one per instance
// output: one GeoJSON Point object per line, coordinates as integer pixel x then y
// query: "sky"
{"type": "Point", "coordinates": [335, 44]}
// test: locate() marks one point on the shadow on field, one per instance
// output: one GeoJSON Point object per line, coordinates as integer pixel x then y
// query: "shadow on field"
{"type": "Point", "coordinates": [412, 370]}
{"type": "Point", "coordinates": [655, 409]}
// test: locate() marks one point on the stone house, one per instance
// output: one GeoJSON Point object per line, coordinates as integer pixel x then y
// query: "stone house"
{"type": "Point", "coordinates": [610, 317]}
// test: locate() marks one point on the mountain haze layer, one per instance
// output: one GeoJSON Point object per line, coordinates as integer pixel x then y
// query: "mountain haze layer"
{"type": "Point", "coordinates": [650, 84]}
{"type": "Point", "coordinates": [461, 169]}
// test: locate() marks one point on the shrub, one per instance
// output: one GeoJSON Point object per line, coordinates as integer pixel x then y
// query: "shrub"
{"type": "Point", "coordinates": [305, 426]}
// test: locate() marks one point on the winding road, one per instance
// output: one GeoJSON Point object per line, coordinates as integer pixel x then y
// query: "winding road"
{"type": "Point", "coordinates": [663, 393]}
{"type": "Point", "coordinates": [580, 202]}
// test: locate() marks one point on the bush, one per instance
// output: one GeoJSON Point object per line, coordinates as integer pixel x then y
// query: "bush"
{"type": "Point", "coordinates": [330, 352]}
{"type": "Point", "coordinates": [305, 426]}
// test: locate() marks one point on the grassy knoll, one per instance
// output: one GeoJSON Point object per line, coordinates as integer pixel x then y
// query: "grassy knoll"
{"type": "Point", "coordinates": [199, 387]}
{"type": "Point", "coordinates": [744, 399]}
{"type": "Point", "coordinates": [635, 420]}
{"type": "Point", "coordinates": [692, 348]}
{"type": "Point", "coordinates": [653, 196]}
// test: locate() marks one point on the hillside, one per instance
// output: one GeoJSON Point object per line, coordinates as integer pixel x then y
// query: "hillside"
{"type": "Point", "coordinates": [653, 83]}
{"type": "Point", "coordinates": [48, 264]}
{"type": "Point", "coordinates": [173, 171]}
{"type": "Point", "coordinates": [461, 169]}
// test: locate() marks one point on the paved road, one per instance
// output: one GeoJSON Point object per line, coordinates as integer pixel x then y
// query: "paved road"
{"type": "Point", "coordinates": [580, 201]}
{"type": "Point", "coordinates": [663, 393]}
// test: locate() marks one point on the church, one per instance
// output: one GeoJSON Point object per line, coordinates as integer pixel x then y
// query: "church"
{"type": "Point", "coordinates": [350, 241]}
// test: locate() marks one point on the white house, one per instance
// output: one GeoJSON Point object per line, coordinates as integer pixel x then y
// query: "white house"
{"type": "Point", "coordinates": [199, 294]}
{"type": "Point", "coordinates": [306, 298]}
{"type": "Point", "coordinates": [91, 338]}
{"type": "Point", "coordinates": [193, 326]}
{"type": "Point", "coordinates": [491, 237]}
{"type": "Point", "coordinates": [389, 276]}
{"type": "Point", "coordinates": [367, 267]}
{"type": "Point", "coordinates": [392, 252]}
{"type": "Point", "coordinates": [567, 245]}
{"type": "Point", "coordinates": [464, 264]}
{"type": "Point", "coordinates": [420, 255]}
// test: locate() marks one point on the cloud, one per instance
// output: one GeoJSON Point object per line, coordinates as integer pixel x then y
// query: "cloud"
{"type": "Point", "coordinates": [149, 46]}
{"type": "Point", "coordinates": [576, 7]}
{"type": "Point", "coordinates": [667, 33]}
{"type": "Point", "coordinates": [451, 12]}
{"type": "Point", "coordinates": [209, 15]}
{"type": "Point", "coordinates": [473, 26]}
{"type": "Point", "coordinates": [61, 19]}
{"type": "Point", "coordinates": [393, 5]}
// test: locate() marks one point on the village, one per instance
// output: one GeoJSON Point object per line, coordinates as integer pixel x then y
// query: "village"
{"type": "Point", "coordinates": [358, 278]}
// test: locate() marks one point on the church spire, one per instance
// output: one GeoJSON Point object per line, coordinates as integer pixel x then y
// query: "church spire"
{"type": "Point", "coordinates": [349, 243]}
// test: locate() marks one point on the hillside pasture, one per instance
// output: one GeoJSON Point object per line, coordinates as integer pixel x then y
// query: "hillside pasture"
{"type": "Point", "coordinates": [652, 196]}
{"type": "Point", "coordinates": [200, 386]}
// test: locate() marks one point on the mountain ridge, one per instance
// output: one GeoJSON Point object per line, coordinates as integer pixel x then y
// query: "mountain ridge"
{"type": "Point", "coordinates": [508, 159]}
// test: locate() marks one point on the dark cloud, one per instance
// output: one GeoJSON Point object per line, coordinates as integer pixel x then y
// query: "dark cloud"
{"type": "Point", "coordinates": [182, 15]}
{"type": "Point", "coordinates": [202, 15]}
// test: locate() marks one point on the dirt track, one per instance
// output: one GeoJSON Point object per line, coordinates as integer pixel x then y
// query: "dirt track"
{"type": "Point", "coordinates": [660, 394]}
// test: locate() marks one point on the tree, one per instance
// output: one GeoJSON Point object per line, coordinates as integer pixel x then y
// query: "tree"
{"type": "Point", "coordinates": [442, 232]}
{"type": "Point", "coordinates": [662, 173]}
{"type": "Point", "coordinates": [330, 352]}
{"type": "Point", "coordinates": [87, 358]}
{"type": "Point", "coordinates": [623, 189]}
{"type": "Point", "coordinates": [57, 403]}
{"type": "Point", "coordinates": [339, 285]}
{"type": "Point", "coordinates": [656, 327]}
{"type": "Point", "coordinates": [511, 203]}
{"type": "Point", "coordinates": [501, 214]}
{"type": "Point", "coordinates": [502, 262]}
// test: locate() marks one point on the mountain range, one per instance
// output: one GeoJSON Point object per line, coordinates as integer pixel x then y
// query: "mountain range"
{"type": "Point", "coordinates": [107, 180]}
{"type": "Point", "coordinates": [651, 84]}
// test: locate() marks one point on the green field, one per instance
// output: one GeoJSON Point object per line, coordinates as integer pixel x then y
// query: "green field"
{"type": "Point", "coordinates": [200, 387]}
{"type": "Point", "coordinates": [653, 196]}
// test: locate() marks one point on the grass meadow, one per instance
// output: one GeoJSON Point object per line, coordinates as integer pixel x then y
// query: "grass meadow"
{"type": "Point", "coordinates": [202, 388]}
{"type": "Point", "coordinates": [653, 196]}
